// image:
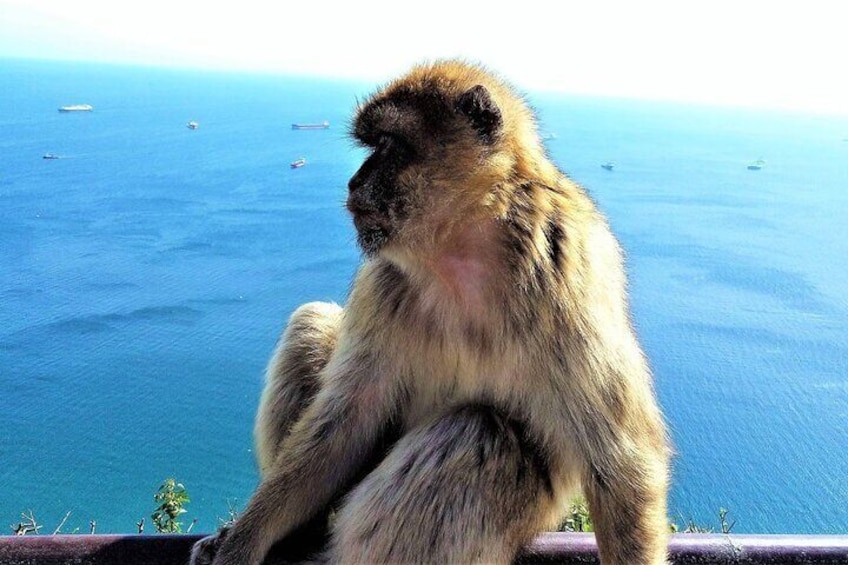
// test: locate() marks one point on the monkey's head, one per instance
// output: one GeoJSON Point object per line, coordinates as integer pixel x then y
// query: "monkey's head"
{"type": "Point", "coordinates": [443, 139]}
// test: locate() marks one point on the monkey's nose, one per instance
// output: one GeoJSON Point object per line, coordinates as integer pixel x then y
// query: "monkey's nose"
{"type": "Point", "coordinates": [356, 204]}
{"type": "Point", "coordinates": [355, 182]}
{"type": "Point", "coordinates": [358, 200]}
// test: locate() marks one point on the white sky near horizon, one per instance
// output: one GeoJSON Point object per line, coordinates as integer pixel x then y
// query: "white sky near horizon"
{"type": "Point", "coordinates": [727, 52]}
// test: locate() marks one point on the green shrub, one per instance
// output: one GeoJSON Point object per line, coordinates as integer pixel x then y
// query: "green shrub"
{"type": "Point", "coordinates": [172, 496]}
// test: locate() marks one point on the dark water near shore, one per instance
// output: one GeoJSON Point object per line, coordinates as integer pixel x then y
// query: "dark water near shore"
{"type": "Point", "coordinates": [145, 275]}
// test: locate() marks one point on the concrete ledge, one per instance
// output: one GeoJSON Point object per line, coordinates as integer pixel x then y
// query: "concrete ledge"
{"type": "Point", "coordinates": [562, 548]}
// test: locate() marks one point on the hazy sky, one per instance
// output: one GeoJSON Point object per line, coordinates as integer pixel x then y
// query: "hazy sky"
{"type": "Point", "coordinates": [769, 54]}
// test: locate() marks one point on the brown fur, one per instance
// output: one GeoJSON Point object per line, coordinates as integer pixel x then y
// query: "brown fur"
{"type": "Point", "coordinates": [489, 324]}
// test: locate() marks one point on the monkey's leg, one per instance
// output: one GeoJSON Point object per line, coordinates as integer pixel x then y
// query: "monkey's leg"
{"type": "Point", "coordinates": [469, 487]}
{"type": "Point", "coordinates": [292, 376]}
{"type": "Point", "coordinates": [292, 382]}
{"type": "Point", "coordinates": [329, 444]}
{"type": "Point", "coordinates": [628, 506]}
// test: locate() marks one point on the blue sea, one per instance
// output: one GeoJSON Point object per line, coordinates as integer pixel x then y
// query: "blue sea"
{"type": "Point", "coordinates": [146, 275]}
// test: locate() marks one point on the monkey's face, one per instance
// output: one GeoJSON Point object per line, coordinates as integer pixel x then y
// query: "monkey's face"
{"type": "Point", "coordinates": [425, 144]}
{"type": "Point", "coordinates": [377, 200]}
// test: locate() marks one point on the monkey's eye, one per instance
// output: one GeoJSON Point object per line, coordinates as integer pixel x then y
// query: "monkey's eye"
{"type": "Point", "coordinates": [387, 140]}
{"type": "Point", "coordinates": [394, 143]}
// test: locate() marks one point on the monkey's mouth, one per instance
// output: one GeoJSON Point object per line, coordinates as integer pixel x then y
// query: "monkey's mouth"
{"type": "Point", "coordinates": [372, 228]}
{"type": "Point", "coordinates": [364, 218]}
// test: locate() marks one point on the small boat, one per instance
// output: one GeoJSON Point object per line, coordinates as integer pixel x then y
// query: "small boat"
{"type": "Point", "coordinates": [757, 165]}
{"type": "Point", "coordinates": [77, 108]}
{"type": "Point", "coordinates": [192, 125]}
{"type": "Point", "coordinates": [298, 163]}
{"type": "Point", "coordinates": [609, 165]}
{"type": "Point", "coordinates": [323, 125]}
{"type": "Point", "coordinates": [50, 156]}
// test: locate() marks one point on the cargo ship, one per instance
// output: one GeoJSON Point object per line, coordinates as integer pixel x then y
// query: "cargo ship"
{"type": "Point", "coordinates": [322, 125]}
{"type": "Point", "coordinates": [77, 108]}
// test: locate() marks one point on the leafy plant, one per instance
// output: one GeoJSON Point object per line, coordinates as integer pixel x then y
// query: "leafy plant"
{"type": "Point", "coordinates": [578, 518]}
{"type": "Point", "coordinates": [172, 497]}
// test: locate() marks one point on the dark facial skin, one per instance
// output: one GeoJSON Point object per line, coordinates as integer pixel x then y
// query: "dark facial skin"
{"type": "Point", "coordinates": [375, 199]}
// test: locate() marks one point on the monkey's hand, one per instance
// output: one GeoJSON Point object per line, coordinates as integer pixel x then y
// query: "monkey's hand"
{"type": "Point", "coordinates": [203, 552]}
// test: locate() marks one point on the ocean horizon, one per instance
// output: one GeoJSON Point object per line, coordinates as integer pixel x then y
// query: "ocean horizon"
{"type": "Point", "coordinates": [146, 273]}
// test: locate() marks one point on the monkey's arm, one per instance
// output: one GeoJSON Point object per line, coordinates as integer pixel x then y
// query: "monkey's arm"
{"type": "Point", "coordinates": [627, 499]}
{"type": "Point", "coordinates": [627, 473]}
{"type": "Point", "coordinates": [324, 451]}
{"type": "Point", "coordinates": [293, 376]}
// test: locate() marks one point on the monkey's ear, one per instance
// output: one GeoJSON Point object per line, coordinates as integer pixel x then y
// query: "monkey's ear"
{"type": "Point", "coordinates": [477, 105]}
